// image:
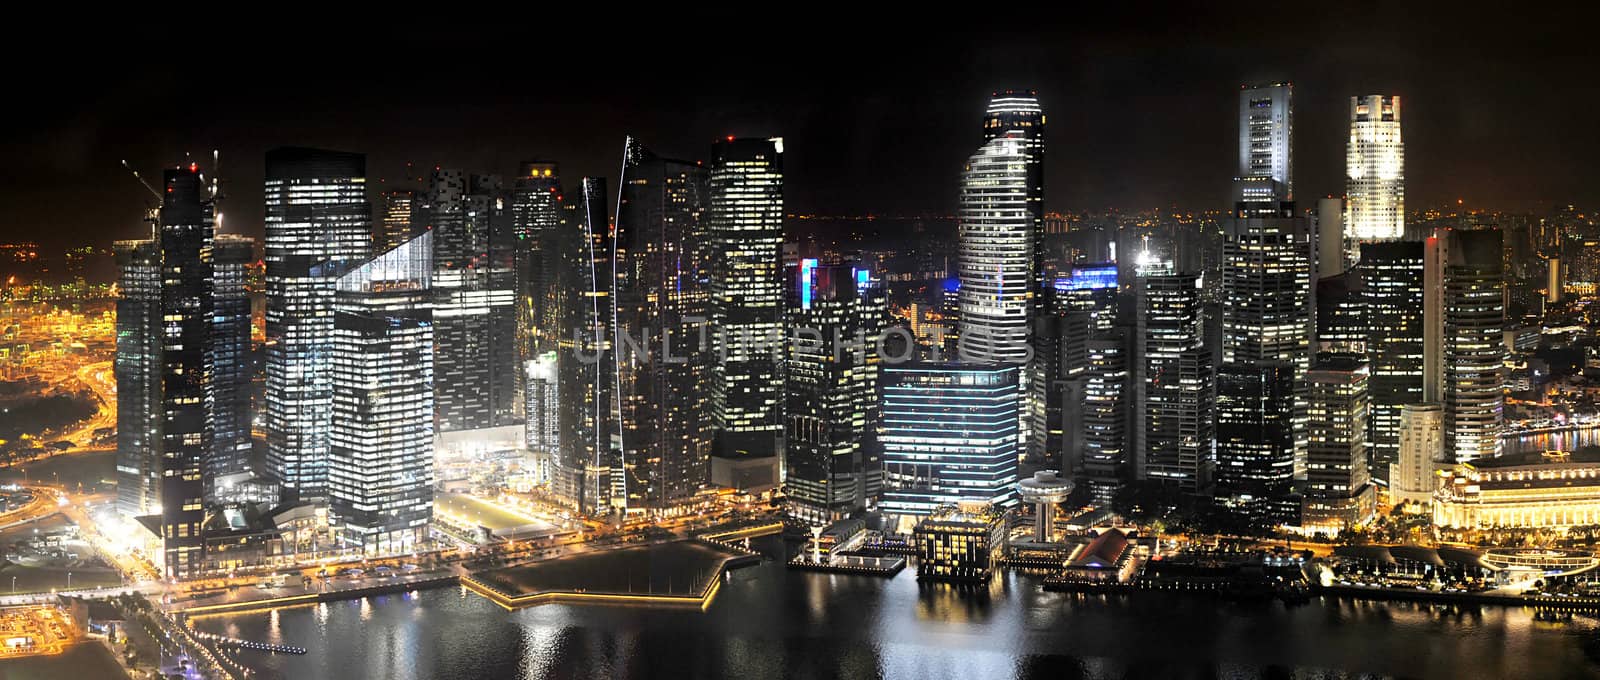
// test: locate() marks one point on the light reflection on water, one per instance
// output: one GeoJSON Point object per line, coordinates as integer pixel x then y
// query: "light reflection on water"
{"type": "Point", "coordinates": [1564, 441]}
{"type": "Point", "coordinates": [770, 622]}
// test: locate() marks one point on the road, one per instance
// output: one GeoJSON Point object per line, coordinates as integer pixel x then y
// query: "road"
{"type": "Point", "coordinates": [100, 379]}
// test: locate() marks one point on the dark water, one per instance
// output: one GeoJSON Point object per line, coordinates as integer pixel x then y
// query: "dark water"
{"type": "Point", "coordinates": [771, 623]}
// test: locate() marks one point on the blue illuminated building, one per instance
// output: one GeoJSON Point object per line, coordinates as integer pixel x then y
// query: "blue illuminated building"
{"type": "Point", "coordinates": [949, 435]}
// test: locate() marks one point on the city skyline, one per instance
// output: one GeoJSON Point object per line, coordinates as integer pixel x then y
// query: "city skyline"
{"type": "Point", "coordinates": [857, 143]}
{"type": "Point", "coordinates": [730, 428]}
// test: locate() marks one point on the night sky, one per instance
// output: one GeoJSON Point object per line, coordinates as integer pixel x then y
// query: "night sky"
{"type": "Point", "coordinates": [877, 115]}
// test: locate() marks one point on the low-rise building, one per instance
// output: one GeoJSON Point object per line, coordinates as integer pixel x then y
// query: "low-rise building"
{"type": "Point", "coordinates": [1555, 489]}
{"type": "Point", "coordinates": [960, 542]}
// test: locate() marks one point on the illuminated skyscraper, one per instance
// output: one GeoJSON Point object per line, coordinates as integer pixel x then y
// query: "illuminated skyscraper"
{"type": "Point", "coordinates": [1268, 255]}
{"type": "Point", "coordinates": [1391, 287]}
{"type": "Point", "coordinates": [1473, 363]}
{"type": "Point", "coordinates": [589, 409]}
{"type": "Point", "coordinates": [1338, 493]}
{"type": "Point", "coordinates": [1255, 439]}
{"type": "Point", "coordinates": [535, 223]}
{"type": "Point", "coordinates": [996, 259]}
{"type": "Point", "coordinates": [1017, 114]}
{"type": "Point", "coordinates": [1107, 441]}
{"type": "Point", "coordinates": [1177, 436]}
{"type": "Point", "coordinates": [1375, 173]}
{"type": "Point", "coordinates": [183, 339]}
{"type": "Point", "coordinates": [662, 301]}
{"type": "Point", "coordinates": [1266, 143]}
{"type": "Point", "coordinates": [395, 225]}
{"type": "Point", "coordinates": [949, 435]}
{"type": "Point", "coordinates": [833, 469]}
{"type": "Point", "coordinates": [745, 221]}
{"type": "Point", "coordinates": [1082, 309]}
{"type": "Point", "coordinates": [228, 358]}
{"type": "Point", "coordinates": [138, 372]}
{"type": "Point", "coordinates": [1266, 282]}
{"type": "Point", "coordinates": [380, 472]}
{"type": "Point", "coordinates": [1003, 289]}
{"type": "Point", "coordinates": [184, 233]}
{"type": "Point", "coordinates": [318, 226]}
{"type": "Point", "coordinates": [474, 308]}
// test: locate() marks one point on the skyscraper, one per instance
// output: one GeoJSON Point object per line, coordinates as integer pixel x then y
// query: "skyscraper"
{"type": "Point", "coordinates": [745, 221]}
{"type": "Point", "coordinates": [1266, 282]}
{"type": "Point", "coordinates": [228, 358]}
{"type": "Point", "coordinates": [380, 472]}
{"type": "Point", "coordinates": [535, 224]}
{"type": "Point", "coordinates": [318, 226]}
{"type": "Point", "coordinates": [832, 466]}
{"type": "Point", "coordinates": [1338, 494]}
{"type": "Point", "coordinates": [474, 307]}
{"type": "Point", "coordinates": [1177, 429]}
{"type": "Point", "coordinates": [395, 225]}
{"type": "Point", "coordinates": [183, 237]}
{"type": "Point", "coordinates": [662, 299]}
{"type": "Point", "coordinates": [1474, 351]}
{"type": "Point", "coordinates": [1392, 287]}
{"type": "Point", "coordinates": [1266, 143]}
{"type": "Point", "coordinates": [949, 435]}
{"type": "Point", "coordinates": [1082, 309]}
{"type": "Point", "coordinates": [1268, 256]}
{"type": "Point", "coordinates": [1016, 114]}
{"type": "Point", "coordinates": [1107, 442]}
{"type": "Point", "coordinates": [1255, 439]}
{"type": "Point", "coordinates": [589, 409]}
{"type": "Point", "coordinates": [138, 373]}
{"type": "Point", "coordinates": [996, 258]}
{"type": "Point", "coordinates": [1375, 176]}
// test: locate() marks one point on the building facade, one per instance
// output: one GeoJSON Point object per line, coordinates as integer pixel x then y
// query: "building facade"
{"type": "Point", "coordinates": [745, 224]}
{"type": "Point", "coordinates": [229, 360]}
{"type": "Point", "coordinates": [996, 258]}
{"type": "Point", "coordinates": [318, 226]}
{"type": "Point", "coordinates": [961, 542]}
{"type": "Point", "coordinates": [1266, 143]}
{"type": "Point", "coordinates": [1550, 490]}
{"type": "Point", "coordinates": [1392, 290]}
{"type": "Point", "coordinates": [380, 473]}
{"type": "Point", "coordinates": [661, 288]}
{"type": "Point", "coordinates": [1255, 440]}
{"type": "Point", "coordinates": [949, 435]}
{"type": "Point", "coordinates": [1339, 494]}
{"type": "Point", "coordinates": [1411, 476]}
{"type": "Point", "coordinates": [184, 234]}
{"type": "Point", "coordinates": [1474, 352]}
{"type": "Point", "coordinates": [832, 465]}
{"type": "Point", "coordinates": [474, 301]}
{"type": "Point", "coordinates": [1375, 177]}
{"type": "Point", "coordinates": [138, 375]}
{"type": "Point", "coordinates": [1177, 384]}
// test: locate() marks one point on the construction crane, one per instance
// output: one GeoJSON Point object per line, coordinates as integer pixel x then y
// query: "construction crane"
{"type": "Point", "coordinates": [136, 176]}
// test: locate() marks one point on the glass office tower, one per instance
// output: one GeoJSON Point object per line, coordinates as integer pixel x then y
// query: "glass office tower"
{"type": "Point", "coordinates": [318, 227]}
